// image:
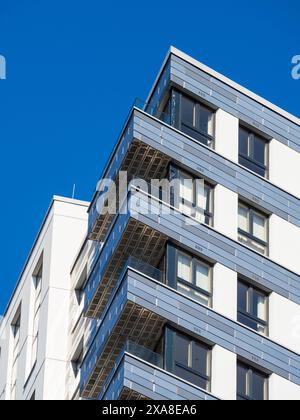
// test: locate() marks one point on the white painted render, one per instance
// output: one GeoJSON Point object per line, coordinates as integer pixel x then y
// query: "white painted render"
{"type": "Point", "coordinates": [225, 291]}
{"type": "Point", "coordinates": [282, 390]}
{"type": "Point", "coordinates": [227, 135]}
{"type": "Point", "coordinates": [284, 240]}
{"type": "Point", "coordinates": [284, 322]}
{"type": "Point", "coordinates": [64, 228]}
{"type": "Point", "coordinates": [284, 169]}
{"type": "Point", "coordinates": [224, 369]}
{"type": "Point", "coordinates": [226, 212]}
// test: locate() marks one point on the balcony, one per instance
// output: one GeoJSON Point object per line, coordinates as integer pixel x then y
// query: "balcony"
{"type": "Point", "coordinates": [138, 374]}
{"type": "Point", "coordinates": [127, 238]}
{"type": "Point", "coordinates": [139, 308]}
{"type": "Point", "coordinates": [147, 145]}
{"type": "Point", "coordinates": [123, 319]}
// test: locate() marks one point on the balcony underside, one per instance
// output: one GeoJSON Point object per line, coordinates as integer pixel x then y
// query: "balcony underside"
{"type": "Point", "coordinates": [134, 323]}
{"type": "Point", "coordinates": [128, 394]}
{"type": "Point", "coordinates": [139, 241]}
{"type": "Point", "coordinates": [141, 161]}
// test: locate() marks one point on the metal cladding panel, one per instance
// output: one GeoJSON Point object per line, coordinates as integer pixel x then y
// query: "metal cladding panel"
{"type": "Point", "coordinates": [231, 100]}
{"type": "Point", "coordinates": [204, 322]}
{"type": "Point", "coordinates": [195, 319]}
{"type": "Point", "coordinates": [152, 383]}
{"type": "Point", "coordinates": [204, 161]}
{"type": "Point", "coordinates": [203, 240]}
{"type": "Point", "coordinates": [160, 88]}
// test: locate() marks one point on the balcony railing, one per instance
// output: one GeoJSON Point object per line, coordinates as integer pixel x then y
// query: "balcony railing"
{"type": "Point", "coordinates": [165, 117]}
{"type": "Point", "coordinates": [133, 349]}
{"type": "Point", "coordinates": [97, 345]}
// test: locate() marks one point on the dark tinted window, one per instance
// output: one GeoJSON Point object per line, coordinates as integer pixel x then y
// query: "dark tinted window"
{"type": "Point", "coordinates": [191, 360]}
{"type": "Point", "coordinates": [252, 151]}
{"type": "Point", "coordinates": [258, 386]}
{"type": "Point", "coordinates": [242, 380]}
{"type": "Point", "coordinates": [199, 355]}
{"type": "Point", "coordinates": [182, 350]}
{"type": "Point", "coordinates": [259, 147]}
{"type": "Point", "coordinates": [242, 297]}
{"type": "Point", "coordinates": [252, 307]}
{"type": "Point", "coordinates": [196, 120]}
{"type": "Point", "coordinates": [243, 142]}
{"type": "Point", "coordinates": [187, 111]}
{"type": "Point", "coordinates": [251, 384]}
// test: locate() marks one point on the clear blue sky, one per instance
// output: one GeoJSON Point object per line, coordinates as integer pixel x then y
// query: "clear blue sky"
{"type": "Point", "coordinates": [74, 68]}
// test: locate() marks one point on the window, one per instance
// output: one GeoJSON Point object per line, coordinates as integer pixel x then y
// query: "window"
{"type": "Point", "coordinates": [253, 228]}
{"type": "Point", "coordinates": [252, 308]}
{"type": "Point", "coordinates": [252, 385]}
{"type": "Point", "coordinates": [197, 120]}
{"type": "Point", "coordinates": [193, 200]}
{"type": "Point", "coordinates": [192, 361]}
{"type": "Point", "coordinates": [15, 354]}
{"type": "Point", "coordinates": [37, 282]}
{"type": "Point", "coordinates": [252, 152]}
{"type": "Point", "coordinates": [194, 278]}
{"type": "Point", "coordinates": [77, 359]}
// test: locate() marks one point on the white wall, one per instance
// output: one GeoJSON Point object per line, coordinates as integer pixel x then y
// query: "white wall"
{"type": "Point", "coordinates": [227, 135]}
{"type": "Point", "coordinates": [58, 242]}
{"type": "Point", "coordinates": [284, 167]}
{"type": "Point", "coordinates": [225, 291]}
{"type": "Point", "coordinates": [226, 212]}
{"type": "Point", "coordinates": [224, 374]}
{"type": "Point", "coordinates": [284, 322]}
{"type": "Point", "coordinates": [281, 389]}
{"type": "Point", "coordinates": [284, 240]}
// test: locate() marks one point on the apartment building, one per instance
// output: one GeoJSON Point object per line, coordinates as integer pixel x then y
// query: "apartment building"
{"type": "Point", "coordinates": [184, 295]}
{"type": "Point", "coordinates": [206, 310]}
{"type": "Point", "coordinates": [34, 339]}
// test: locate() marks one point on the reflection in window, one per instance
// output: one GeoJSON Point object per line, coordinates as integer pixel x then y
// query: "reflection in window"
{"type": "Point", "coordinates": [252, 308]}
{"type": "Point", "coordinates": [197, 120]}
{"type": "Point", "coordinates": [253, 228]}
{"type": "Point", "coordinates": [194, 278]}
{"type": "Point", "coordinates": [36, 315]}
{"type": "Point", "coordinates": [252, 152]}
{"type": "Point", "coordinates": [252, 385]}
{"type": "Point", "coordinates": [15, 355]}
{"type": "Point", "coordinates": [194, 199]}
{"type": "Point", "coordinates": [192, 361]}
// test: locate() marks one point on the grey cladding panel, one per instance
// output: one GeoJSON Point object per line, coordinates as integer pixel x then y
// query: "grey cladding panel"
{"type": "Point", "coordinates": [226, 97]}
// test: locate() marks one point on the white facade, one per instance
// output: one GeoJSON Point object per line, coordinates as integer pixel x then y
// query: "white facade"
{"type": "Point", "coordinates": [34, 330]}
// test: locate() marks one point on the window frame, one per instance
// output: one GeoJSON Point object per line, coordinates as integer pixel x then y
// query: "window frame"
{"type": "Point", "coordinates": [250, 302]}
{"type": "Point", "coordinates": [251, 211]}
{"type": "Point", "coordinates": [192, 270]}
{"type": "Point", "coordinates": [250, 151]}
{"type": "Point", "coordinates": [249, 378]}
{"type": "Point", "coordinates": [192, 342]}
{"type": "Point", "coordinates": [208, 214]}
{"type": "Point", "coordinates": [37, 286]}
{"type": "Point", "coordinates": [15, 352]}
{"type": "Point", "coordinates": [209, 139]}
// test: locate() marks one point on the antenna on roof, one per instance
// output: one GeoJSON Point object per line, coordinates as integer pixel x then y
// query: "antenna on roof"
{"type": "Point", "coordinates": [74, 190]}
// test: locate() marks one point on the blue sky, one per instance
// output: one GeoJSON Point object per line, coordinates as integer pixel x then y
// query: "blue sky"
{"type": "Point", "coordinates": [74, 68]}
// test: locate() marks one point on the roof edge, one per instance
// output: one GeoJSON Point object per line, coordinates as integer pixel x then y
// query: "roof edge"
{"type": "Point", "coordinates": [173, 50]}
